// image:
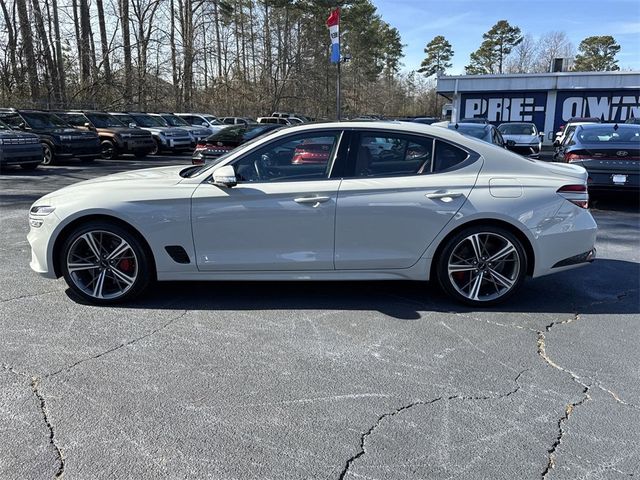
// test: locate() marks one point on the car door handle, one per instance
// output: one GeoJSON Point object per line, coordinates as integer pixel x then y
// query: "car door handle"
{"type": "Point", "coordinates": [442, 195]}
{"type": "Point", "coordinates": [312, 200]}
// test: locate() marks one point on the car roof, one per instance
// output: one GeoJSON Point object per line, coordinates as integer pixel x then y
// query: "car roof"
{"type": "Point", "coordinates": [615, 126]}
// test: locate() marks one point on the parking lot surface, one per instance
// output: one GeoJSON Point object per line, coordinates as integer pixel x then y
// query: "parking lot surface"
{"type": "Point", "coordinates": [378, 380]}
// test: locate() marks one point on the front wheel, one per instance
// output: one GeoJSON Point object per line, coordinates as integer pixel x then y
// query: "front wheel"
{"type": "Point", "coordinates": [104, 263]}
{"type": "Point", "coordinates": [482, 266]}
{"type": "Point", "coordinates": [48, 158]}
{"type": "Point", "coordinates": [108, 150]}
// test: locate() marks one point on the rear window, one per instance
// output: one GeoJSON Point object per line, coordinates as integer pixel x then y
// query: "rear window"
{"type": "Point", "coordinates": [476, 131]}
{"type": "Point", "coordinates": [608, 134]}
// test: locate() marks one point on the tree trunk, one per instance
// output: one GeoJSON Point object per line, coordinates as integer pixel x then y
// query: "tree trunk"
{"type": "Point", "coordinates": [85, 42]}
{"type": "Point", "coordinates": [59, 61]}
{"type": "Point", "coordinates": [126, 45]}
{"type": "Point", "coordinates": [27, 45]}
{"type": "Point", "coordinates": [46, 50]}
{"type": "Point", "coordinates": [104, 43]}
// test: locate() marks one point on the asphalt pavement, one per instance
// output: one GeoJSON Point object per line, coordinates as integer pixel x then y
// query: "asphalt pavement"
{"type": "Point", "coordinates": [258, 380]}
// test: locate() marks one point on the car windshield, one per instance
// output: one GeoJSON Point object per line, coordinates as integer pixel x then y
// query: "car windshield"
{"type": "Point", "coordinates": [610, 133]}
{"type": "Point", "coordinates": [212, 120]}
{"type": "Point", "coordinates": [44, 120]}
{"type": "Point", "coordinates": [476, 131]}
{"type": "Point", "coordinates": [174, 121]}
{"type": "Point", "coordinates": [517, 129]}
{"type": "Point", "coordinates": [148, 121]}
{"type": "Point", "coordinates": [104, 120]}
{"type": "Point", "coordinates": [4, 126]}
{"type": "Point", "coordinates": [125, 119]}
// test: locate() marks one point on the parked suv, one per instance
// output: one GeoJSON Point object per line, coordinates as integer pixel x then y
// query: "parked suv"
{"type": "Point", "coordinates": [165, 138]}
{"type": "Point", "coordinates": [59, 139]}
{"type": "Point", "coordinates": [202, 120]}
{"type": "Point", "coordinates": [115, 138]}
{"type": "Point", "coordinates": [19, 148]}
{"type": "Point", "coordinates": [170, 120]}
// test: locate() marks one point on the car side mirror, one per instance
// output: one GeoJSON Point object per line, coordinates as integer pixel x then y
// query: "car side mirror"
{"type": "Point", "coordinates": [88, 125]}
{"type": "Point", "coordinates": [133, 125]}
{"type": "Point", "coordinates": [225, 177]}
{"type": "Point", "coordinates": [541, 135]}
{"type": "Point", "coordinates": [204, 124]}
{"type": "Point", "coordinates": [22, 126]}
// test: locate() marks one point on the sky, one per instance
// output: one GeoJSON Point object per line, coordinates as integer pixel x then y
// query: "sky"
{"type": "Point", "coordinates": [463, 22]}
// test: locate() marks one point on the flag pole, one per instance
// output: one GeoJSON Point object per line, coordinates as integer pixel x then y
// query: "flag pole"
{"type": "Point", "coordinates": [338, 106]}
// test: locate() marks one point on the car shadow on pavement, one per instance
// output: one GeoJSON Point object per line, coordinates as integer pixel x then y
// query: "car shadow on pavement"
{"type": "Point", "coordinates": [606, 286]}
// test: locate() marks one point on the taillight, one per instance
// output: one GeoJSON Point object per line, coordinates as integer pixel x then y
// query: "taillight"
{"type": "Point", "coordinates": [576, 194]}
{"type": "Point", "coordinates": [201, 146]}
{"type": "Point", "coordinates": [574, 157]}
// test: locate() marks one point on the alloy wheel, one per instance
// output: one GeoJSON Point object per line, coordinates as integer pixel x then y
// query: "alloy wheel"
{"type": "Point", "coordinates": [102, 264]}
{"type": "Point", "coordinates": [47, 154]}
{"type": "Point", "coordinates": [484, 266]}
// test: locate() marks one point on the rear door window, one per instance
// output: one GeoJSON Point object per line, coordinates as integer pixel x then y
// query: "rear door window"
{"type": "Point", "coordinates": [447, 156]}
{"type": "Point", "coordinates": [392, 154]}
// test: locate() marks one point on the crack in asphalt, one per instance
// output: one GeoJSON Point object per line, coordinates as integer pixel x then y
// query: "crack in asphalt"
{"type": "Point", "coordinates": [45, 415]}
{"type": "Point", "coordinates": [118, 347]}
{"type": "Point", "coordinates": [542, 352]}
{"type": "Point", "coordinates": [363, 437]}
{"type": "Point", "coordinates": [34, 382]}
{"type": "Point", "coordinates": [31, 295]}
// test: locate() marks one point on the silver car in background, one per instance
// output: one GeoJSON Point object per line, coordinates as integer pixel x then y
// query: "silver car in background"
{"type": "Point", "coordinates": [527, 140]}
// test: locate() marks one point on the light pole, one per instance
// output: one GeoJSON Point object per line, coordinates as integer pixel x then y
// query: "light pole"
{"type": "Point", "coordinates": [343, 59]}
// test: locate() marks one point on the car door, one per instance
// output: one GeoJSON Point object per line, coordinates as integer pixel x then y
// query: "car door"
{"type": "Point", "coordinates": [399, 197]}
{"type": "Point", "coordinates": [280, 215]}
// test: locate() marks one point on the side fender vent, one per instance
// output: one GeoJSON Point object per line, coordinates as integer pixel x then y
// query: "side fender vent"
{"type": "Point", "coordinates": [178, 253]}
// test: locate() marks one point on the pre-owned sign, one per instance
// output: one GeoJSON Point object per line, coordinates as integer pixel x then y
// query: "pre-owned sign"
{"type": "Point", "coordinates": [608, 106]}
{"type": "Point", "coordinates": [500, 107]}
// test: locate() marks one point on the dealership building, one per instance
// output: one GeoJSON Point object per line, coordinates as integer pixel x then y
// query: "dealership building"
{"type": "Point", "coordinates": [547, 99]}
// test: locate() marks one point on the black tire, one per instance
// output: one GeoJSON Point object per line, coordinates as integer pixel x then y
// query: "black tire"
{"type": "Point", "coordinates": [48, 158]}
{"type": "Point", "coordinates": [139, 263]}
{"type": "Point", "coordinates": [108, 150]}
{"type": "Point", "coordinates": [157, 149]}
{"type": "Point", "coordinates": [491, 274]}
{"type": "Point", "coordinates": [29, 166]}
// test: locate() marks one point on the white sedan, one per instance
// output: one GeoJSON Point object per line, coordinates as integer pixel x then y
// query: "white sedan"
{"type": "Point", "coordinates": [333, 201]}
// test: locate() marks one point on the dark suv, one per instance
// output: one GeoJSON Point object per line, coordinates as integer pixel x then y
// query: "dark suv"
{"type": "Point", "coordinates": [19, 148]}
{"type": "Point", "coordinates": [59, 139]}
{"type": "Point", "coordinates": [115, 138]}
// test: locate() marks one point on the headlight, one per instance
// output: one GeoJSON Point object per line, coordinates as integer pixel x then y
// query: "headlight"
{"type": "Point", "coordinates": [42, 210]}
{"type": "Point", "coordinates": [125, 135]}
{"type": "Point", "coordinates": [65, 138]}
{"type": "Point", "coordinates": [37, 214]}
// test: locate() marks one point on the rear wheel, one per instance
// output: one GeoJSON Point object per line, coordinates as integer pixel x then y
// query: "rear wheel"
{"type": "Point", "coordinates": [482, 266]}
{"type": "Point", "coordinates": [104, 263]}
{"type": "Point", "coordinates": [48, 158]}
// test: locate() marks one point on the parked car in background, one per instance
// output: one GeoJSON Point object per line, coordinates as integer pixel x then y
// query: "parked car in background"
{"type": "Point", "coordinates": [482, 131]}
{"type": "Point", "coordinates": [277, 120]}
{"type": "Point", "coordinates": [165, 138]}
{"type": "Point", "coordinates": [527, 140]}
{"type": "Point", "coordinates": [425, 120]}
{"type": "Point", "coordinates": [227, 139]}
{"type": "Point", "coordinates": [116, 139]}
{"type": "Point", "coordinates": [609, 152]}
{"type": "Point", "coordinates": [197, 133]}
{"type": "Point", "coordinates": [297, 116]}
{"type": "Point", "coordinates": [59, 139]}
{"type": "Point", "coordinates": [237, 120]}
{"type": "Point", "coordinates": [634, 120]}
{"type": "Point", "coordinates": [202, 120]}
{"type": "Point", "coordinates": [561, 142]}
{"type": "Point", "coordinates": [563, 130]}
{"type": "Point", "coordinates": [482, 120]}
{"type": "Point", "coordinates": [474, 218]}
{"type": "Point", "coordinates": [19, 148]}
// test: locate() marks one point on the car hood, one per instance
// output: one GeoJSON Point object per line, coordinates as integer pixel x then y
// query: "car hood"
{"type": "Point", "coordinates": [148, 178]}
{"type": "Point", "coordinates": [522, 138]}
{"type": "Point", "coordinates": [11, 134]}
